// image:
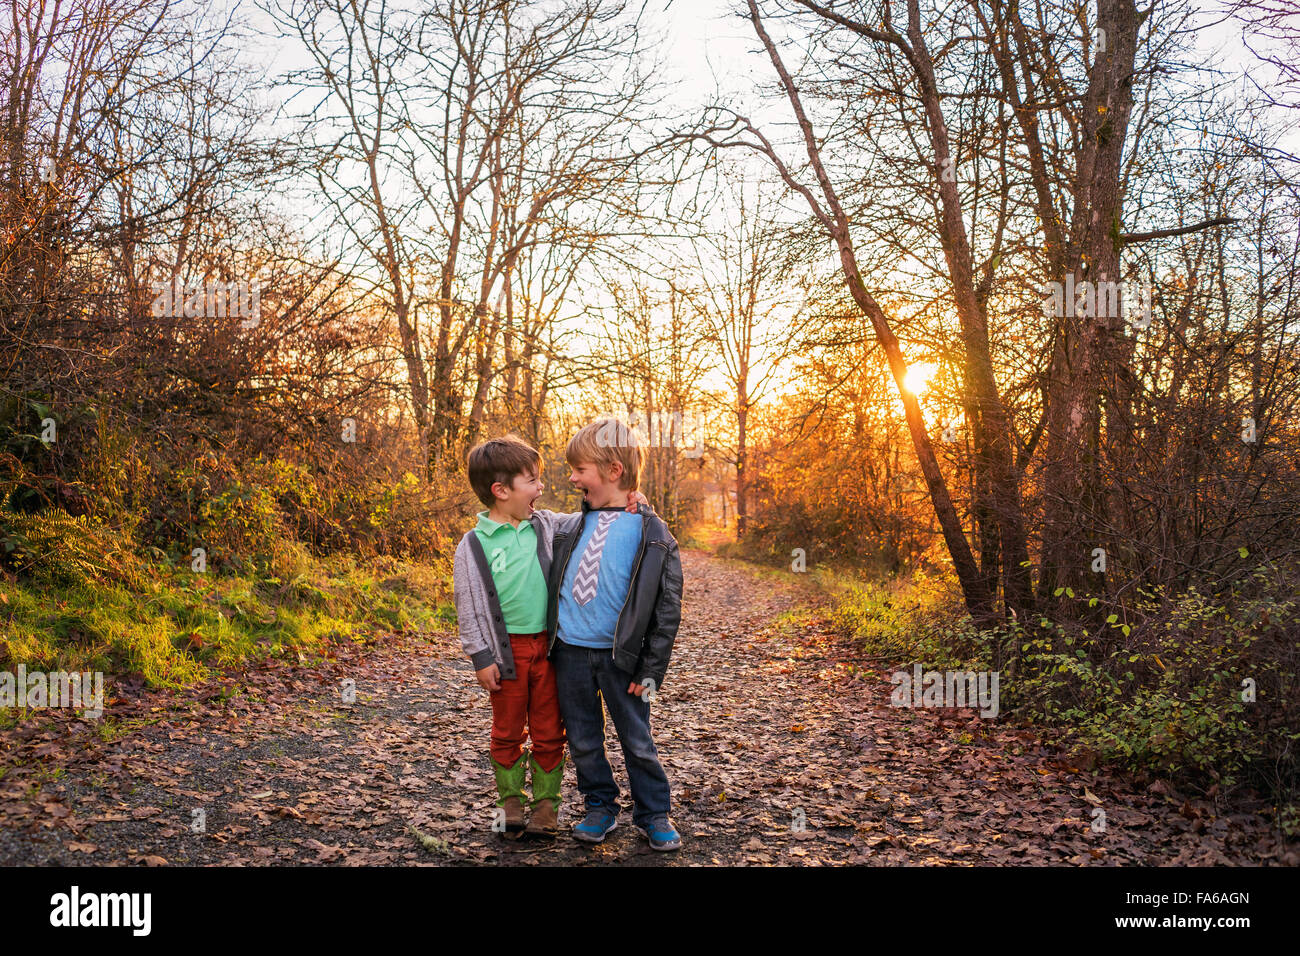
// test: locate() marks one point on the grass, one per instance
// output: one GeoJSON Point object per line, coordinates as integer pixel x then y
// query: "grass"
{"type": "Point", "coordinates": [178, 627]}
{"type": "Point", "coordinates": [899, 619]}
{"type": "Point", "coordinates": [113, 728]}
{"type": "Point", "coordinates": [920, 618]}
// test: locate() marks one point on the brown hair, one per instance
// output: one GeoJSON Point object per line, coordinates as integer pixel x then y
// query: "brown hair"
{"type": "Point", "coordinates": [500, 459]}
{"type": "Point", "coordinates": [605, 441]}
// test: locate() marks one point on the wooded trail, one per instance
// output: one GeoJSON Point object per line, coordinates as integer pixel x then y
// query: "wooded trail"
{"type": "Point", "coordinates": [778, 738]}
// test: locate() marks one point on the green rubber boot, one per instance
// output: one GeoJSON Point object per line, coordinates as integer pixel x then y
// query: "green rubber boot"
{"type": "Point", "coordinates": [545, 819]}
{"type": "Point", "coordinates": [510, 788]}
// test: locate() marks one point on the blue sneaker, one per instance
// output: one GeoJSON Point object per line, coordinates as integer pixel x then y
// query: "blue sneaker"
{"type": "Point", "coordinates": [594, 826]}
{"type": "Point", "coordinates": [661, 833]}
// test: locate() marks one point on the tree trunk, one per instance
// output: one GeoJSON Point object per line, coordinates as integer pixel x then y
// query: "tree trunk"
{"type": "Point", "coordinates": [1087, 344]}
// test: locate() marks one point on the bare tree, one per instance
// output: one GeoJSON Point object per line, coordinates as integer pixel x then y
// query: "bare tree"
{"type": "Point", "coordinates": [1040, 129]}
{"type": "Point", "coordinates": [463, 138]}
{"type": "Point", "coordinates": [746, 303]}
{"type": "Point", "coordinates": [825, 203]}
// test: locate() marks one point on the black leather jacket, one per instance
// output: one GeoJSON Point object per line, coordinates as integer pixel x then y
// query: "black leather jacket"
{"type": "Point", "coordinates": [647, 625]}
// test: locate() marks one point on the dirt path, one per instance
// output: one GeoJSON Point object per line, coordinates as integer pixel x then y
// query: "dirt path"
{"type": "Point", "coordinates": [780, 747]}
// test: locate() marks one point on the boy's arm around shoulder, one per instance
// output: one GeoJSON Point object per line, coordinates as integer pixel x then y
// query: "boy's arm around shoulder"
{"type": "Point", "coordinates": [473, 616]}
{"type": "Point", "coordinates": [547, 522]}
{"type": "Point", "coordinates": [553, 520]}
{"type": "Point", "coordinates": [665, 620]}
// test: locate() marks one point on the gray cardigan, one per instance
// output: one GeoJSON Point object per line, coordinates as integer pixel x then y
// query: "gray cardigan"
{"type": "Point", "coordinates": [478, 609]}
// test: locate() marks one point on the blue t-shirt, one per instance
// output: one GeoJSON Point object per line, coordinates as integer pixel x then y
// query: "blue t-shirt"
{"type": "Point", "coordinates": [592, 624]}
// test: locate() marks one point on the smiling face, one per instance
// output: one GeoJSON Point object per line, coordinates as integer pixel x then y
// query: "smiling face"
{"type": "Point", "coordinates": [599, 486]}
{"type": "Point", "coordinates": [606, 459]}
{"type": "Point", "coordinates": [516, 500]}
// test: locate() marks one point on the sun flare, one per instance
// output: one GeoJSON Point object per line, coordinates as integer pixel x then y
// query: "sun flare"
{"type": "Point", "coordinates": [918, 376]}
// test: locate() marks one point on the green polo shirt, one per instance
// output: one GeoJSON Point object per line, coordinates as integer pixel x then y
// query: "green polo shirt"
{"type": "Point", "coordinates": [512, 558]}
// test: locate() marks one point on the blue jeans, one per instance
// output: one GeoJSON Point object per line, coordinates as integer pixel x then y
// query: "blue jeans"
{"type": "Point", "coordinates": [584, 675]}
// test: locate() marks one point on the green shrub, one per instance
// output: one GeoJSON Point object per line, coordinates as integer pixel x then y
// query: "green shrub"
{"type": "Point", "coordinates": [241, 524]}
{"type": "Point", "coordinates": [906, 620]}
{"type": "Point", "coordinates": [1159, 687]}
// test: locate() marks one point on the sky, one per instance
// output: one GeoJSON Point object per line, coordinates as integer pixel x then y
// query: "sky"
{"type": "Point", "coordinates": [709, 41]}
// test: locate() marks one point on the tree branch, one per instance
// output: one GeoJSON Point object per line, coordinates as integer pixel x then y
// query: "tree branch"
{"type": "Point", "coordinates": [1131, 237]}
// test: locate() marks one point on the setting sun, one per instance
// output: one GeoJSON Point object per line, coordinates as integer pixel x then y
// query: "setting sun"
{"type": "Point", "coordinates": [918, 375]}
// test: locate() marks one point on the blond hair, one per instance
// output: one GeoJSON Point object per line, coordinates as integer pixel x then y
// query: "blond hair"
{"type": "Point", "coordinates": [605, 441]}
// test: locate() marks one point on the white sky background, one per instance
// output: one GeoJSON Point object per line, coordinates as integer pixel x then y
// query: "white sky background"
{"type": "Point", "coordinates": [711, 46]}
{"type": "Point", "coordinates": [709, 43]}
{"type": "Point", "coordinates": [1227, 41]}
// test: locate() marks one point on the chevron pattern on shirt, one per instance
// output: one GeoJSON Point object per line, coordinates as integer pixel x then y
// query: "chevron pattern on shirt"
{"type": "Point", "coordinates": [584, 582]}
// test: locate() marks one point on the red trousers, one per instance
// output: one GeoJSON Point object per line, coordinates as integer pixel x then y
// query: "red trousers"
{"type": "Point", "coordinates": [530, 699]}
